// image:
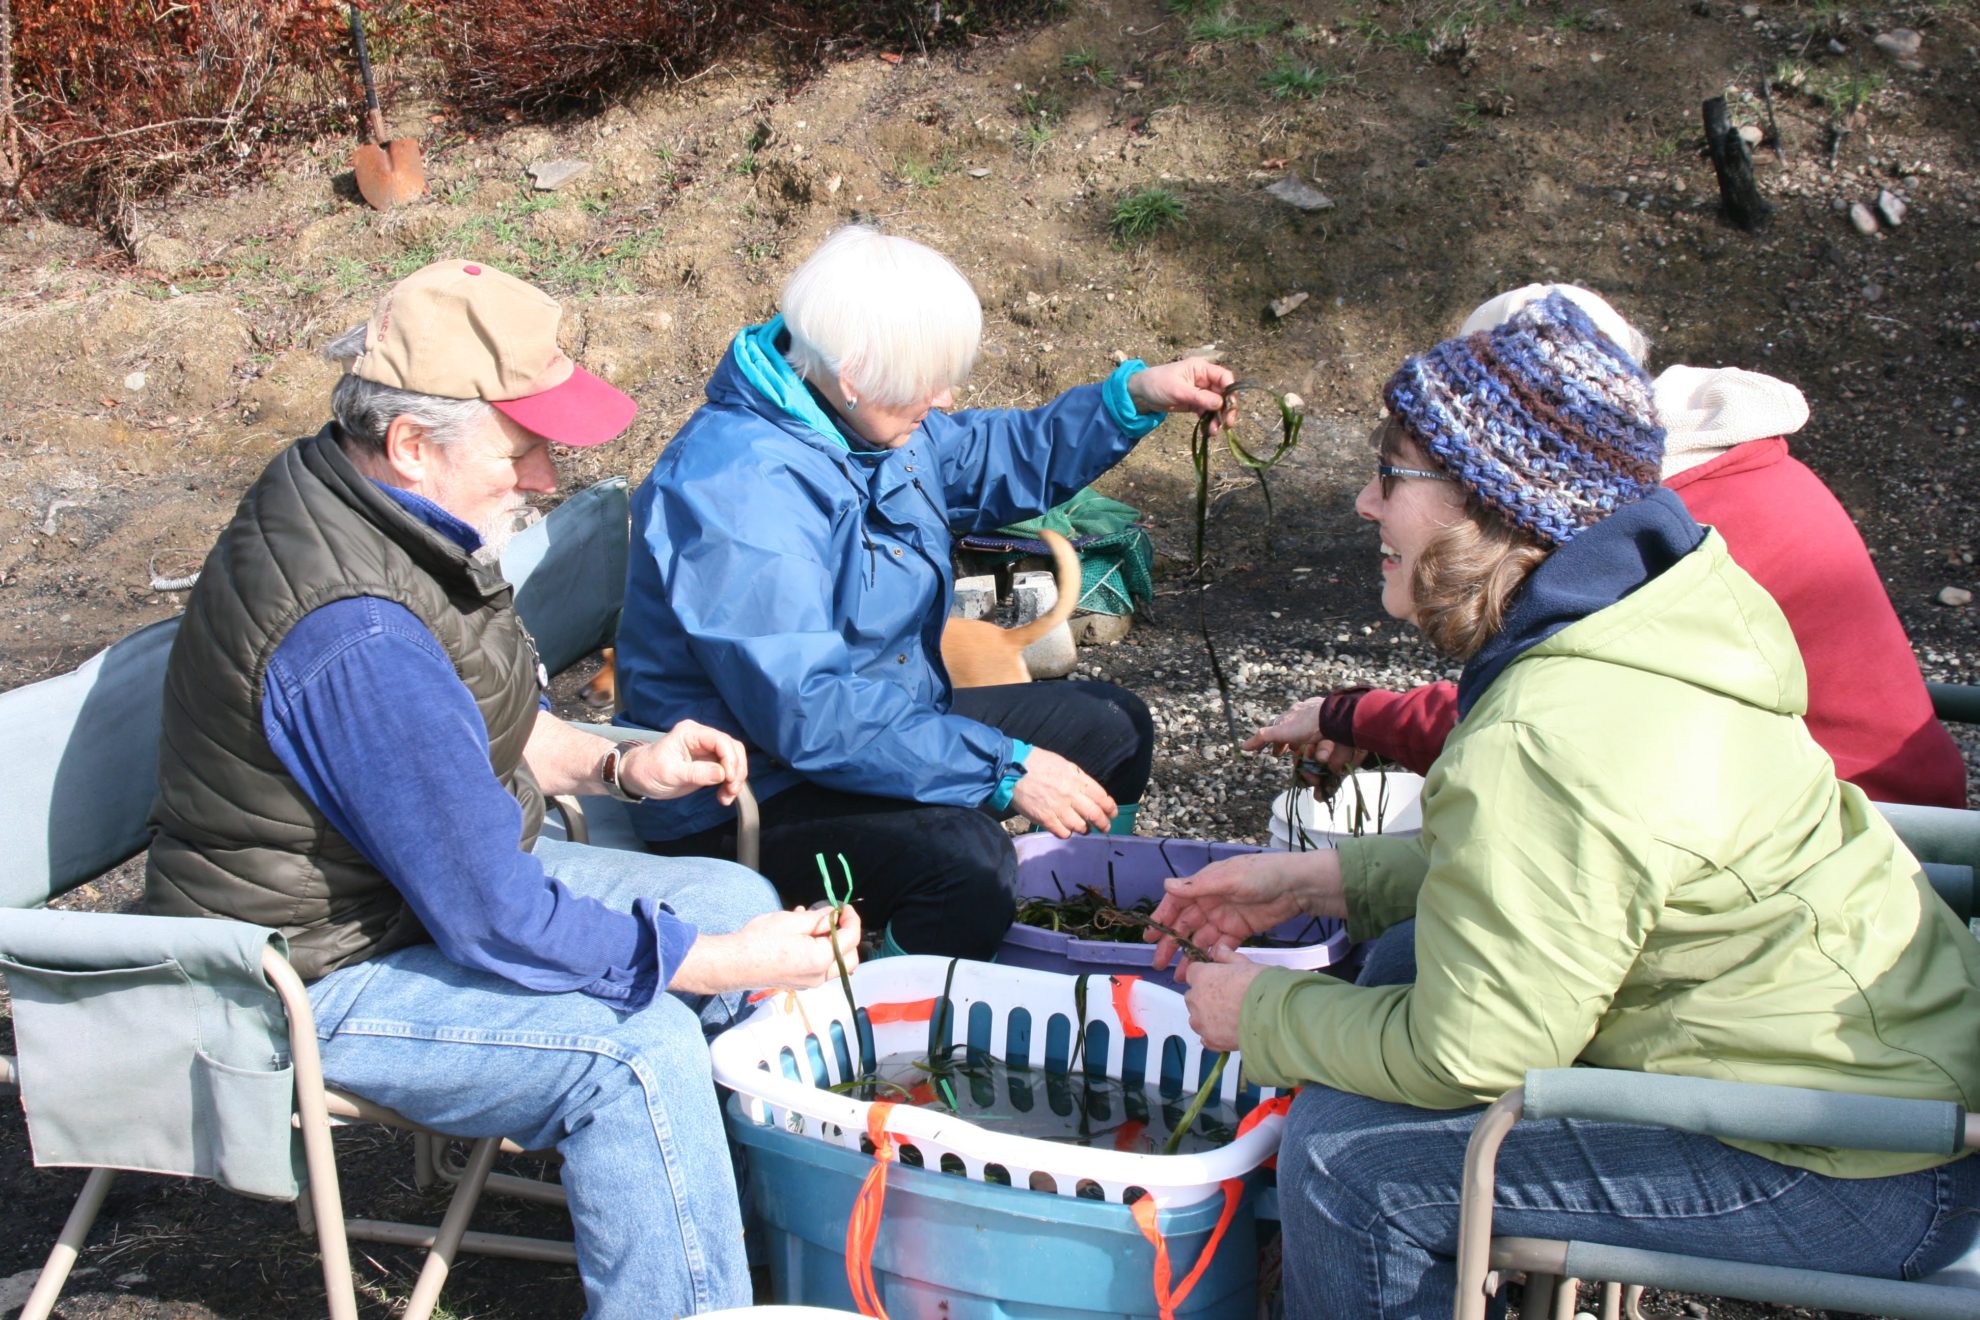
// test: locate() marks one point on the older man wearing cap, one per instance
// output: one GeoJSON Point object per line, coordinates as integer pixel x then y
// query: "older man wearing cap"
{"type": "Point", "coordinates": [356, 751]}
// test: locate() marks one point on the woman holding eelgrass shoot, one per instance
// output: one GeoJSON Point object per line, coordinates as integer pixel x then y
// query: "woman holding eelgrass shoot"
{"type": "Point", "coordinates": [1633, 856]}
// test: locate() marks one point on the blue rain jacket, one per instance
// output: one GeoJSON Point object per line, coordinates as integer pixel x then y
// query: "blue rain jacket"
{"type": "Point", "coordinates": [791, 589]}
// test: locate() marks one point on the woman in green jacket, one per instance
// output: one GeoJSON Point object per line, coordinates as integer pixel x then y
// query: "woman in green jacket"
{"type": "Point", "coordinates": [1632, 856]}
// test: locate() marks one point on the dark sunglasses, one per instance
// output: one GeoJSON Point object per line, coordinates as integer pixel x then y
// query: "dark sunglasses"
{"type": "Point", "coordinates": [1388, 473]}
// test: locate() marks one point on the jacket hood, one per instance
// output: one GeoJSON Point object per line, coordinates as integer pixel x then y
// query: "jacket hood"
{"type": "Point", "coordinates": [754, 375]}
{"type": "Point", "coordinates": [1707, 410]}
{"type": "Point", "coordinates": [1695, 616]}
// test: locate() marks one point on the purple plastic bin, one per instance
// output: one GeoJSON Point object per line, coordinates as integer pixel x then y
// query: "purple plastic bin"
{"type": "Point", "coordinates": [1046, 866]}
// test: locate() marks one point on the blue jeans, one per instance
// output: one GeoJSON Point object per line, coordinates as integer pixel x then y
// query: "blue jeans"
{"type": "Point", "coordinates": [627, 1098]}
{"type": "Point", "coordinates": [1369, 1198]}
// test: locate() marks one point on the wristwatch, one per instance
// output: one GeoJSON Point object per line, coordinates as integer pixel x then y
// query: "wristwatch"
{"type": "Point", "coordinates": [608, 770]}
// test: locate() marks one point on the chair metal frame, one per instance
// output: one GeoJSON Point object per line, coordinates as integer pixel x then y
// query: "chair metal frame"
{"type": "Point", "coordinates": [1947, 844]}
{"type": "Point", "coordinates": [1552, 1267]}
{"type": "Point", "coordinates": [565, 630]}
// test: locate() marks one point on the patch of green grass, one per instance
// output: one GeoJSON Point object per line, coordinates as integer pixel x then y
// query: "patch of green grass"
{"type": "Point", "coordinates": [1226, 25]}
{"type": "Point", "coordinates": [1305, 81]}
{"type": "Point", "coordinates": [460, 191]}
{"type": "Point", "coordinates": [1841, 92]}
{"type": "Point", "coordinates": [1192, 8]}
{"type": "Point", "coordinates": [917, 173]}
{"type": "Point", "coordinates": [1573, 21]}
{"type": "Point", "coordinates": [761, 250]}
{"type": "Point", "coordinates": [349, 274]}
{"type": "Point", "coordinates": [1035, 137]}
{"type": "Point", "coordinates": [1467, 117]}
{"type": "Point", "coordinates": [1079, 59]}
{"type": "Point", "coordinates": [1435, 30]}
{"type": "Point", "coordinates": [1037, 105]}
{"type": "Point", "coordinates": [582, 267]}
{"type": "Point", "coordinates": [1143, 214]}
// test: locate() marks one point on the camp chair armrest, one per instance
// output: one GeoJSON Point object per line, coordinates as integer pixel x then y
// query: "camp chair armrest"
{"type": "Point", "coordinates": [1748, 1111]}
{"type": "Point", "coordinates": [748, 820]}
{"type": "Point", "coordinates": [1956, 703]}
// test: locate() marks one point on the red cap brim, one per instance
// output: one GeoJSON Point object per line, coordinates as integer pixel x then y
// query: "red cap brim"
{"type": "Point", "coordinates": [584, 410]}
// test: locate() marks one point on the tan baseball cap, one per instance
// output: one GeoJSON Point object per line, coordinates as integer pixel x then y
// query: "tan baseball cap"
{"type": "Point", "coordinates": [464, 330]}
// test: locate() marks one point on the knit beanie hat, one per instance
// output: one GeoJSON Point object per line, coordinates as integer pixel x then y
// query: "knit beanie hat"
{"type": "Point", "coordinates": [1544, 418]}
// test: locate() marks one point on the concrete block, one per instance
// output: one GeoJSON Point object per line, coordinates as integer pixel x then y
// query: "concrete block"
{"type": "Point", "coordinates": [975, 598]}
{"type": "Point", "coordinates": [1034, 594]}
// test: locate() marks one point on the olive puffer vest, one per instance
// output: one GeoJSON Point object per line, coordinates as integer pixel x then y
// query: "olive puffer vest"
{"type": "Point", "coordinates": [233, 834]}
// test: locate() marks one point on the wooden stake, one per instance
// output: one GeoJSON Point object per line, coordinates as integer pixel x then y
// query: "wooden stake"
{"type": "Point", "coordinates": [1741, 196]}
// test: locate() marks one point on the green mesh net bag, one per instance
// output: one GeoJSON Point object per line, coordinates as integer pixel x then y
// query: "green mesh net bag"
{"type": "Point", "coordinates": [1116, 558]}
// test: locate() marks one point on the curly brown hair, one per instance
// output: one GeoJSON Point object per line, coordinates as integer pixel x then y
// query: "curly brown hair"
{"type": "Point", "coordinates": [1466, 577]}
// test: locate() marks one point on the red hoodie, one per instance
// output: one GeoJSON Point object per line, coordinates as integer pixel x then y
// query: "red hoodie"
{"type": "Point", "coordinates": [1867, 704]}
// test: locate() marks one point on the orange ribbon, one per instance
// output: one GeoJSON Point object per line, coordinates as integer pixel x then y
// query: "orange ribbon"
{"type": "Point", "coordinates": [920, 1010]}
{"type": "Point", "coordinates": [864, 1225]}
{"type": "Point", "coordinates": [1166, 1301]}
{"type": "Point", "coordinates": [1124, 1007]}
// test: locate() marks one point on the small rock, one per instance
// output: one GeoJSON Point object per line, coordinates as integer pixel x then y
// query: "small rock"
{"type": "Point", "coordinates": [1890, 207]}
{"type": "Point", "coordinates": [550, 175]}
{"type": "Point", "coordinates": [979, 173]}
{"type": "Point", "coordinates": [1862, 217]}
{"type": "Point", "coordinates": [1749, 12]}
{"type": "Point", "coordinates": [1899, 43]}
{"type": "Point", "coordinates": [1751, 134]}
{"type": "Point", "coordinates": [1296, 404]}
{"type": "Point", "coordinates": [1301, 195]}
{"type": "Point", "coordinates": [14, 1289]}
{"type": "Point", "coordinates": [167, 256]}
{"type": "Point", "coordinates": [832, 184]}
{"type": "Point", "coordinates": [1286, 306]}
{"type": "Point", "coordinates": [1873, 293]}
{"type": "Point", "coordinates": [1100, 629]}
{"type": "Point", "coordinates": [134, 382]}
{"type": "Point", "coordinates": [1955, 596]}
{"type": "Point", "coordinates": [1698, 1309]}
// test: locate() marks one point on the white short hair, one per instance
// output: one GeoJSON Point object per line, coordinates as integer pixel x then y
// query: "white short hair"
{"type": "Point", "coordinates": [1606, 318]}
{"type": "Point", "coordinates": [893, 317]}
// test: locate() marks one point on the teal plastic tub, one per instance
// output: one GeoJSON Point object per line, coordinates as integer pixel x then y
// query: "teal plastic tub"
{"type": "Point", "coordinates": [950, 1248]}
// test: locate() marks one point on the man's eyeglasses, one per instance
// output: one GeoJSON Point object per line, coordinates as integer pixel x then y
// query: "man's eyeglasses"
{"type": "Point", "coordinates": [1389, 472]}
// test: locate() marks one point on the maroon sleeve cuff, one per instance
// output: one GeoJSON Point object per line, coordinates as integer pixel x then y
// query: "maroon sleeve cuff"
{"type": "Point", "coordinates": [1337, 714]}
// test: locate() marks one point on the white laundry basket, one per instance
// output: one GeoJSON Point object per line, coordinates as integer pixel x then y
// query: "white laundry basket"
{"type": "Point", "coordinates": [781, 1058]}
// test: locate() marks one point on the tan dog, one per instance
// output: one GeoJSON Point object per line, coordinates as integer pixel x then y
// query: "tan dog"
{"type": "Point", "coordinates": [977, 652]}
{"type": "Point", "coordinates": [980, 654]}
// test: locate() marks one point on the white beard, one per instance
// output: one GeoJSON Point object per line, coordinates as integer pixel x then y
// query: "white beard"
{"type": "Point", "coordinates": [500, 530]}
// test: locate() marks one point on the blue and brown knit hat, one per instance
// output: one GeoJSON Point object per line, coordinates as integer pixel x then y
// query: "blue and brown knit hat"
{"type": "Point", "coordinates": [1542, 417]}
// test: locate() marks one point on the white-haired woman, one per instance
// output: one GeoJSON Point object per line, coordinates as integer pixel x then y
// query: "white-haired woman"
{"type": "Point", "coordinates": [790, 581]}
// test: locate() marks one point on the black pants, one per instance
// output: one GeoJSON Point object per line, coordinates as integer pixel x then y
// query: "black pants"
{"type": "Point", "coordinates": [942, 880]}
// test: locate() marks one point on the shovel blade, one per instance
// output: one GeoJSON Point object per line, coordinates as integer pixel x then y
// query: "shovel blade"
{"type": "Point", "coordinates": [391, 174]}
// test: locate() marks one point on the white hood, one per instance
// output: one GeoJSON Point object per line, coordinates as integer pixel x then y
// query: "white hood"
{"type": "Point", "coordinates": [1708, 410]}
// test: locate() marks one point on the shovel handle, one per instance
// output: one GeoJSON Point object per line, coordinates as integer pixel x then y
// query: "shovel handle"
{"type": "Point", "coordinates": [364, 68]}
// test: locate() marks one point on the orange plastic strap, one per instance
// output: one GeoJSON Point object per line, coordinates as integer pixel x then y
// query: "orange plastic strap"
{"type": "Point", "coordinates": [1278, 1104]}
{"type": "Point", "coordinates": [1124, 1006]}
{"type": "Point", "coordinates": [1127, 1136]}
{"type": "Point", "coordinates": [1145, 1214]}
{"type": "Point", "coordinates": [921, 1010]}
{"type": "Point", "coordinates": [864, 1225]}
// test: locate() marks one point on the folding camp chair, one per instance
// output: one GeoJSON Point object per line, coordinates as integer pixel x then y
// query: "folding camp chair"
{"type": "Point", "coordinates": [1948, 843]}
{"type": "Point", "coordinates": [186, 1046]}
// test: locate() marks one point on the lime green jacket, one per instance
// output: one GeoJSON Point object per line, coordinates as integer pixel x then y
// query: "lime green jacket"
{"type": "Point", "coordinates": [1633, 856]}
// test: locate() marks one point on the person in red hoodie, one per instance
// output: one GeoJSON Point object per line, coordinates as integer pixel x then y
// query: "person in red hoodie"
{"type": "Point", "coordinates": [1726, 456]}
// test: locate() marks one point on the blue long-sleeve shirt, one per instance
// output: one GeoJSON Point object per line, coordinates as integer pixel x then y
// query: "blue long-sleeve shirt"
{"type": "Point", "coordinates": [362, 706]}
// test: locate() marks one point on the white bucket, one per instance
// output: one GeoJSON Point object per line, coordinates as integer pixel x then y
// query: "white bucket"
{"type": "Point", "coordinates": [1369, 802]}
